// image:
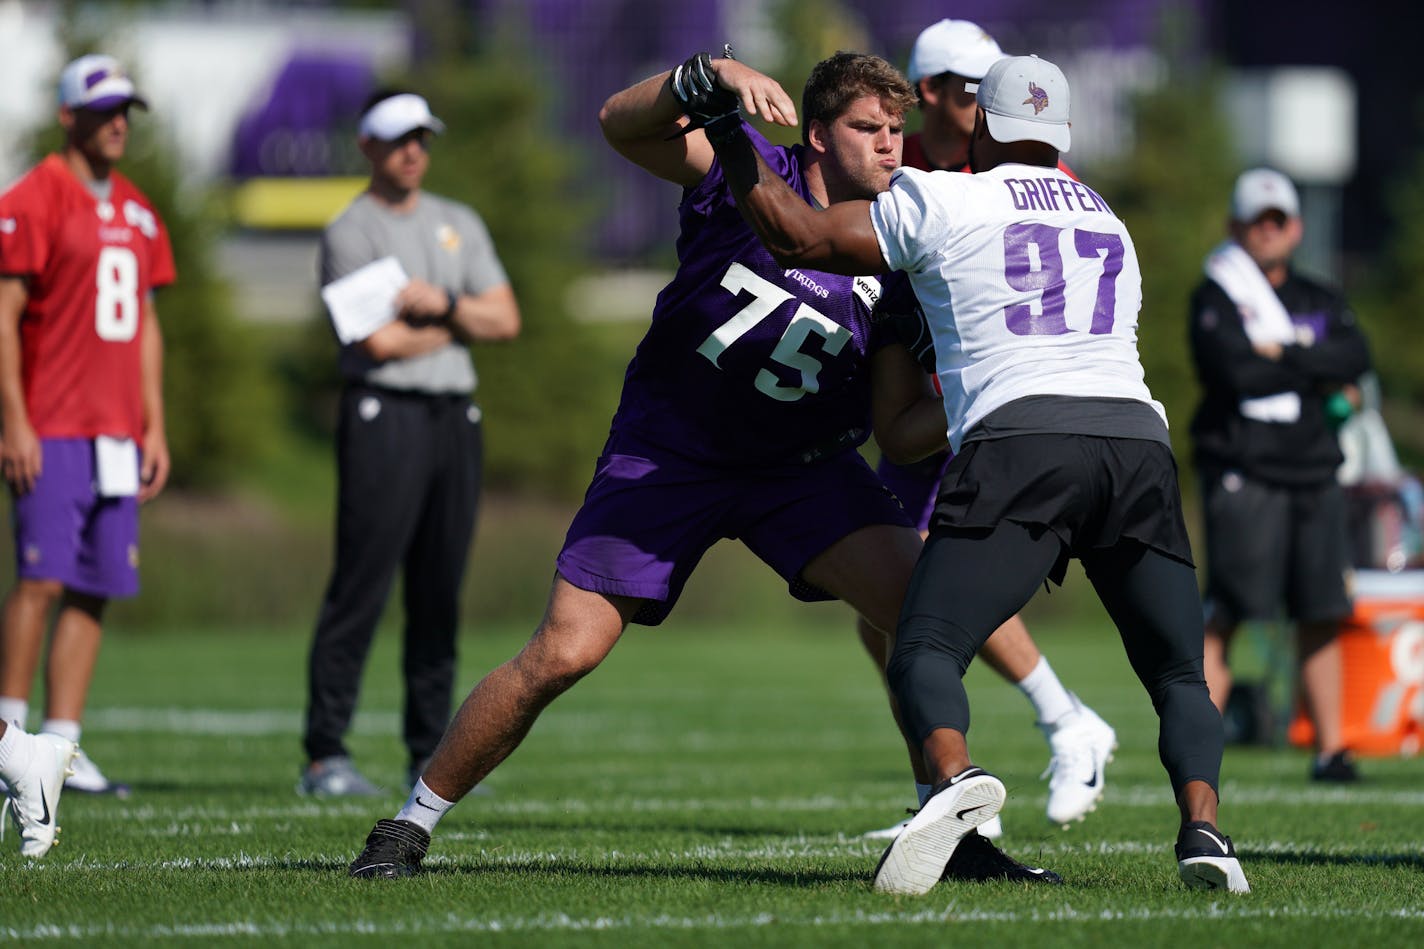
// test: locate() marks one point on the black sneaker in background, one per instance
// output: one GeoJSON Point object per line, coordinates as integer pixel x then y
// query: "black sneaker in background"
{"type": "Point", "coordinates": [394, 848]}
{"type": "Point", "coordinates": [1338, 768]}
{"type": "Point", "coordinates": [976, 858]}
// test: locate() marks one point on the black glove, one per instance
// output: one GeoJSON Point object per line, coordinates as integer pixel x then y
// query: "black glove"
{"type": "Point", "coordinates": [900, 310]}
{"type": "Point", "coordinates": [705, 102]}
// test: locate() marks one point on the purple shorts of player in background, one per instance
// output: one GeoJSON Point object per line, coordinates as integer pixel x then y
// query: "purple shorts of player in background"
{"type": "Point", "coordinates": [64, 531]}
{"type": "Point", "coordinates": [650, 515]}
{"type": "Point", "coordinates": [916, 485]}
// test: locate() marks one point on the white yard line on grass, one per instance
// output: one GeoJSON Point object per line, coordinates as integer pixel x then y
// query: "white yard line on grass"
{"type": "Point", "coordinates": [473, 853]}
{"type": "Point", "coordinates": [455, 923]}
{"type": "Point", "coordinates": [615, 729]}
{"type": "Point", "coordinates": [210, 721]}
{"type": "Point", "coordinates": [619, 804]}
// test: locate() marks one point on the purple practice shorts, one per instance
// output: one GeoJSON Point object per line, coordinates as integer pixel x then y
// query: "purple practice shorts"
{"type": "Point", "coordinates": [649, 516]}
{"type": "Point", "coordinates": [916, 485]}
{"type": "Point", "coordinates": [64, 531]}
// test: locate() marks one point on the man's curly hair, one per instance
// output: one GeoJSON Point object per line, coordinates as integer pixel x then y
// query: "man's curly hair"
{"type": "Point", "coordinates": [839, 80]}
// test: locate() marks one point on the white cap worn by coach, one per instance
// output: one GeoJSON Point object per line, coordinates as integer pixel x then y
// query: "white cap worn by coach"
{"type": "Point", "coordinates": [1025, 99]}
{"type": "Point", "coordinates": [398, 115]}
{"type": "Point", "coordinates": [97, 82]}
{"type": "Point", "coordinates": [956, 46]}
{"type": "Point", "coordinates": [1260, 190]}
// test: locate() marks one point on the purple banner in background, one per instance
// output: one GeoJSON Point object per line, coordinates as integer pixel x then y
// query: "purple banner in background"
{"type": "Point", "coordinates": [304, 123]}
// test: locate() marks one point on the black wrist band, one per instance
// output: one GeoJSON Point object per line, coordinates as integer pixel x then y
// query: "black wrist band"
{"type": "Point", "coordinates": [454, 299]}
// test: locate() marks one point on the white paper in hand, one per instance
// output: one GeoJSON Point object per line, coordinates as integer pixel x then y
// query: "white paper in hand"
{"type": "Point", "coordinates": [364, 300]}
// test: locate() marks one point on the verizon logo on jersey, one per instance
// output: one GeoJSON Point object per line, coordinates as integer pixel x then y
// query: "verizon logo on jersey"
{"type": "Point", "coordinates": [868, 289]}
{"type": "Point", "coordinates": [808, 283]}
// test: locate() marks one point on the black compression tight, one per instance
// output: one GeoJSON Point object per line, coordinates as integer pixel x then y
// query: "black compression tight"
{"type": "Point", "coordinates": [967, 584]}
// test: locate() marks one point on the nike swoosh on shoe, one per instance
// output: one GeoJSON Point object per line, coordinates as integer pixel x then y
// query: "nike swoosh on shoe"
{"type": "Point", "coordinates": [1216, 840]}
{"type": "Point", "coordinates": [970, 810]}
{"type": "Point", "coordinates": [44, 802]}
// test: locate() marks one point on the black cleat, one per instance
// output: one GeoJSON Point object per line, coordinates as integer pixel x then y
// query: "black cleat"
{"type": "Point", "coordinates": [1206, 859]}
{"type": "Point", "coordinates": [976, 858]}
{"type": "Point", "coordinates": [394, 848]}
{"type": "Point", "coordinates": [1338, 768]}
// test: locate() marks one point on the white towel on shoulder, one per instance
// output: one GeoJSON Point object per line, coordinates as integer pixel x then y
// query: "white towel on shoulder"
{"type": "Point", "coordinates": [1264, 317]}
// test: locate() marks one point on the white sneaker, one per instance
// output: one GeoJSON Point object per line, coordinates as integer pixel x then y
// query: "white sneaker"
{"type": "Point", "coordinates": [993, 829]}
{"type": "Point", "coordinates": [33, 797]}
{"type": "Point", "coordinates": [86, 778]}
{"type": "Point", "coordinates": [891, 832]}
{"type": "Point", "coordinates": [916, 858]}
{"type": "Point", "coordinates": [1082, 745]}
{"type": "Point", "coordinates": [1206, 859]}
{"type": "Point", "coordinates": [336, 776]}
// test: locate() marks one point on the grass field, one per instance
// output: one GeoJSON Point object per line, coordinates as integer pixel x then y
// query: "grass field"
{"type": "Point", "coordinates": [706, 786]}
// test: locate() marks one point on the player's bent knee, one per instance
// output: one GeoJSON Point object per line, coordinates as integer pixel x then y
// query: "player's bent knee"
{"type": "Point", "coordinates": [557, 658]}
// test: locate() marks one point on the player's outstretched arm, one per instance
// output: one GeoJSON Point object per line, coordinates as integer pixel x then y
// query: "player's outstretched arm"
{"type": "Point", "coordinates": [839, 239]}
{"type": "Point", "coordinates": [647, 123]}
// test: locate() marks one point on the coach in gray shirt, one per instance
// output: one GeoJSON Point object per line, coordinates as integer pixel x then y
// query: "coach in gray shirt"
{"type": "Point", "coordinates": [408, 444]}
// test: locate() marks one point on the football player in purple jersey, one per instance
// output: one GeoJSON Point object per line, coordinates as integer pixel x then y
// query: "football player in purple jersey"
{"type": "Point", "coordinates": [741, 414]}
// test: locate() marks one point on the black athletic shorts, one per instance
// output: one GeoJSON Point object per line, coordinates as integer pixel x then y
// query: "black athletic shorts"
{"type": "Point", "coordinates": [1269, 546]}
{"type": "Point", "coordinates": [1092, 492]}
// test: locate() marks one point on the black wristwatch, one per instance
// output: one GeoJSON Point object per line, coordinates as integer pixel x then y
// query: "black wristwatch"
{"type": "Point", "coordinates": [454, 299]}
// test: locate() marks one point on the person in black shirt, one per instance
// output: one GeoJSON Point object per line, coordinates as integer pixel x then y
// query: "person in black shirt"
{"type": "Point", "coordinates": [1271, 347]}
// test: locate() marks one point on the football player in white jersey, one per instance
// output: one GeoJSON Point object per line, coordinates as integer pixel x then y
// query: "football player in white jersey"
{"type": "Point", "coordinates": [1031, 288]}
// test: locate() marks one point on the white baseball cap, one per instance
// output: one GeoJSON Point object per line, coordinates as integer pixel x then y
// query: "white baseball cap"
{"type": "Point", "coordinates": [1025, 99]}
{"type": "Point", "coordinates": [397, 115]}
{"type": "Point", "coordinates": [956, 46]}
{"type": "Point", "coordinates": [1263, 189]}
{"type": "Point", "coordinates": [97, 82]}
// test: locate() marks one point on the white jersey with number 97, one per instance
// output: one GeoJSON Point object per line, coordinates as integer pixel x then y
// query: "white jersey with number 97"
{"type": "Point", "coordinates": [1028, 280]}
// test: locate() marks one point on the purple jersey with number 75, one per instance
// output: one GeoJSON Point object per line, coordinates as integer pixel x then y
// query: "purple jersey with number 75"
{"type": "Point", "coordinates": [747, 363]}
{"type": "Point", "coordinates": [1029, 283]}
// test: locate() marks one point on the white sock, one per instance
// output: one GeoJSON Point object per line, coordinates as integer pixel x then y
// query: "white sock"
{"type": "Point", "coordinates": [1050, 700]}
{"type": "Point", "coordinates": [424, 807]}
{"type": "Point", "coordinates": [922, 791]}
{"type": "Point", "coordinates": [63, 727]}
{"type": "Point", "coordinates": [14, 710]}
{"type": "Point", "coordinates": [15, 752]}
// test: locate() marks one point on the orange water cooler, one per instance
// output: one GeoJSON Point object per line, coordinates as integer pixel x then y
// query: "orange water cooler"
{"type": "Point", "coordinates": [1382, 659]}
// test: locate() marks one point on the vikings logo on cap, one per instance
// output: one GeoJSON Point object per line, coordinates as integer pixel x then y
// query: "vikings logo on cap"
{"type": "Point", "coordinates": [1037, 97]}
{"type": "Point", "coordinates": [97, 82]}
{"type": "Point", "coordinates": [1009, 118]}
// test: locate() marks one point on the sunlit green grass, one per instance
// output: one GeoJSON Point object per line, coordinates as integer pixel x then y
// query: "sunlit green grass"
{"type": "Point", "coordinates": [707, 786]}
